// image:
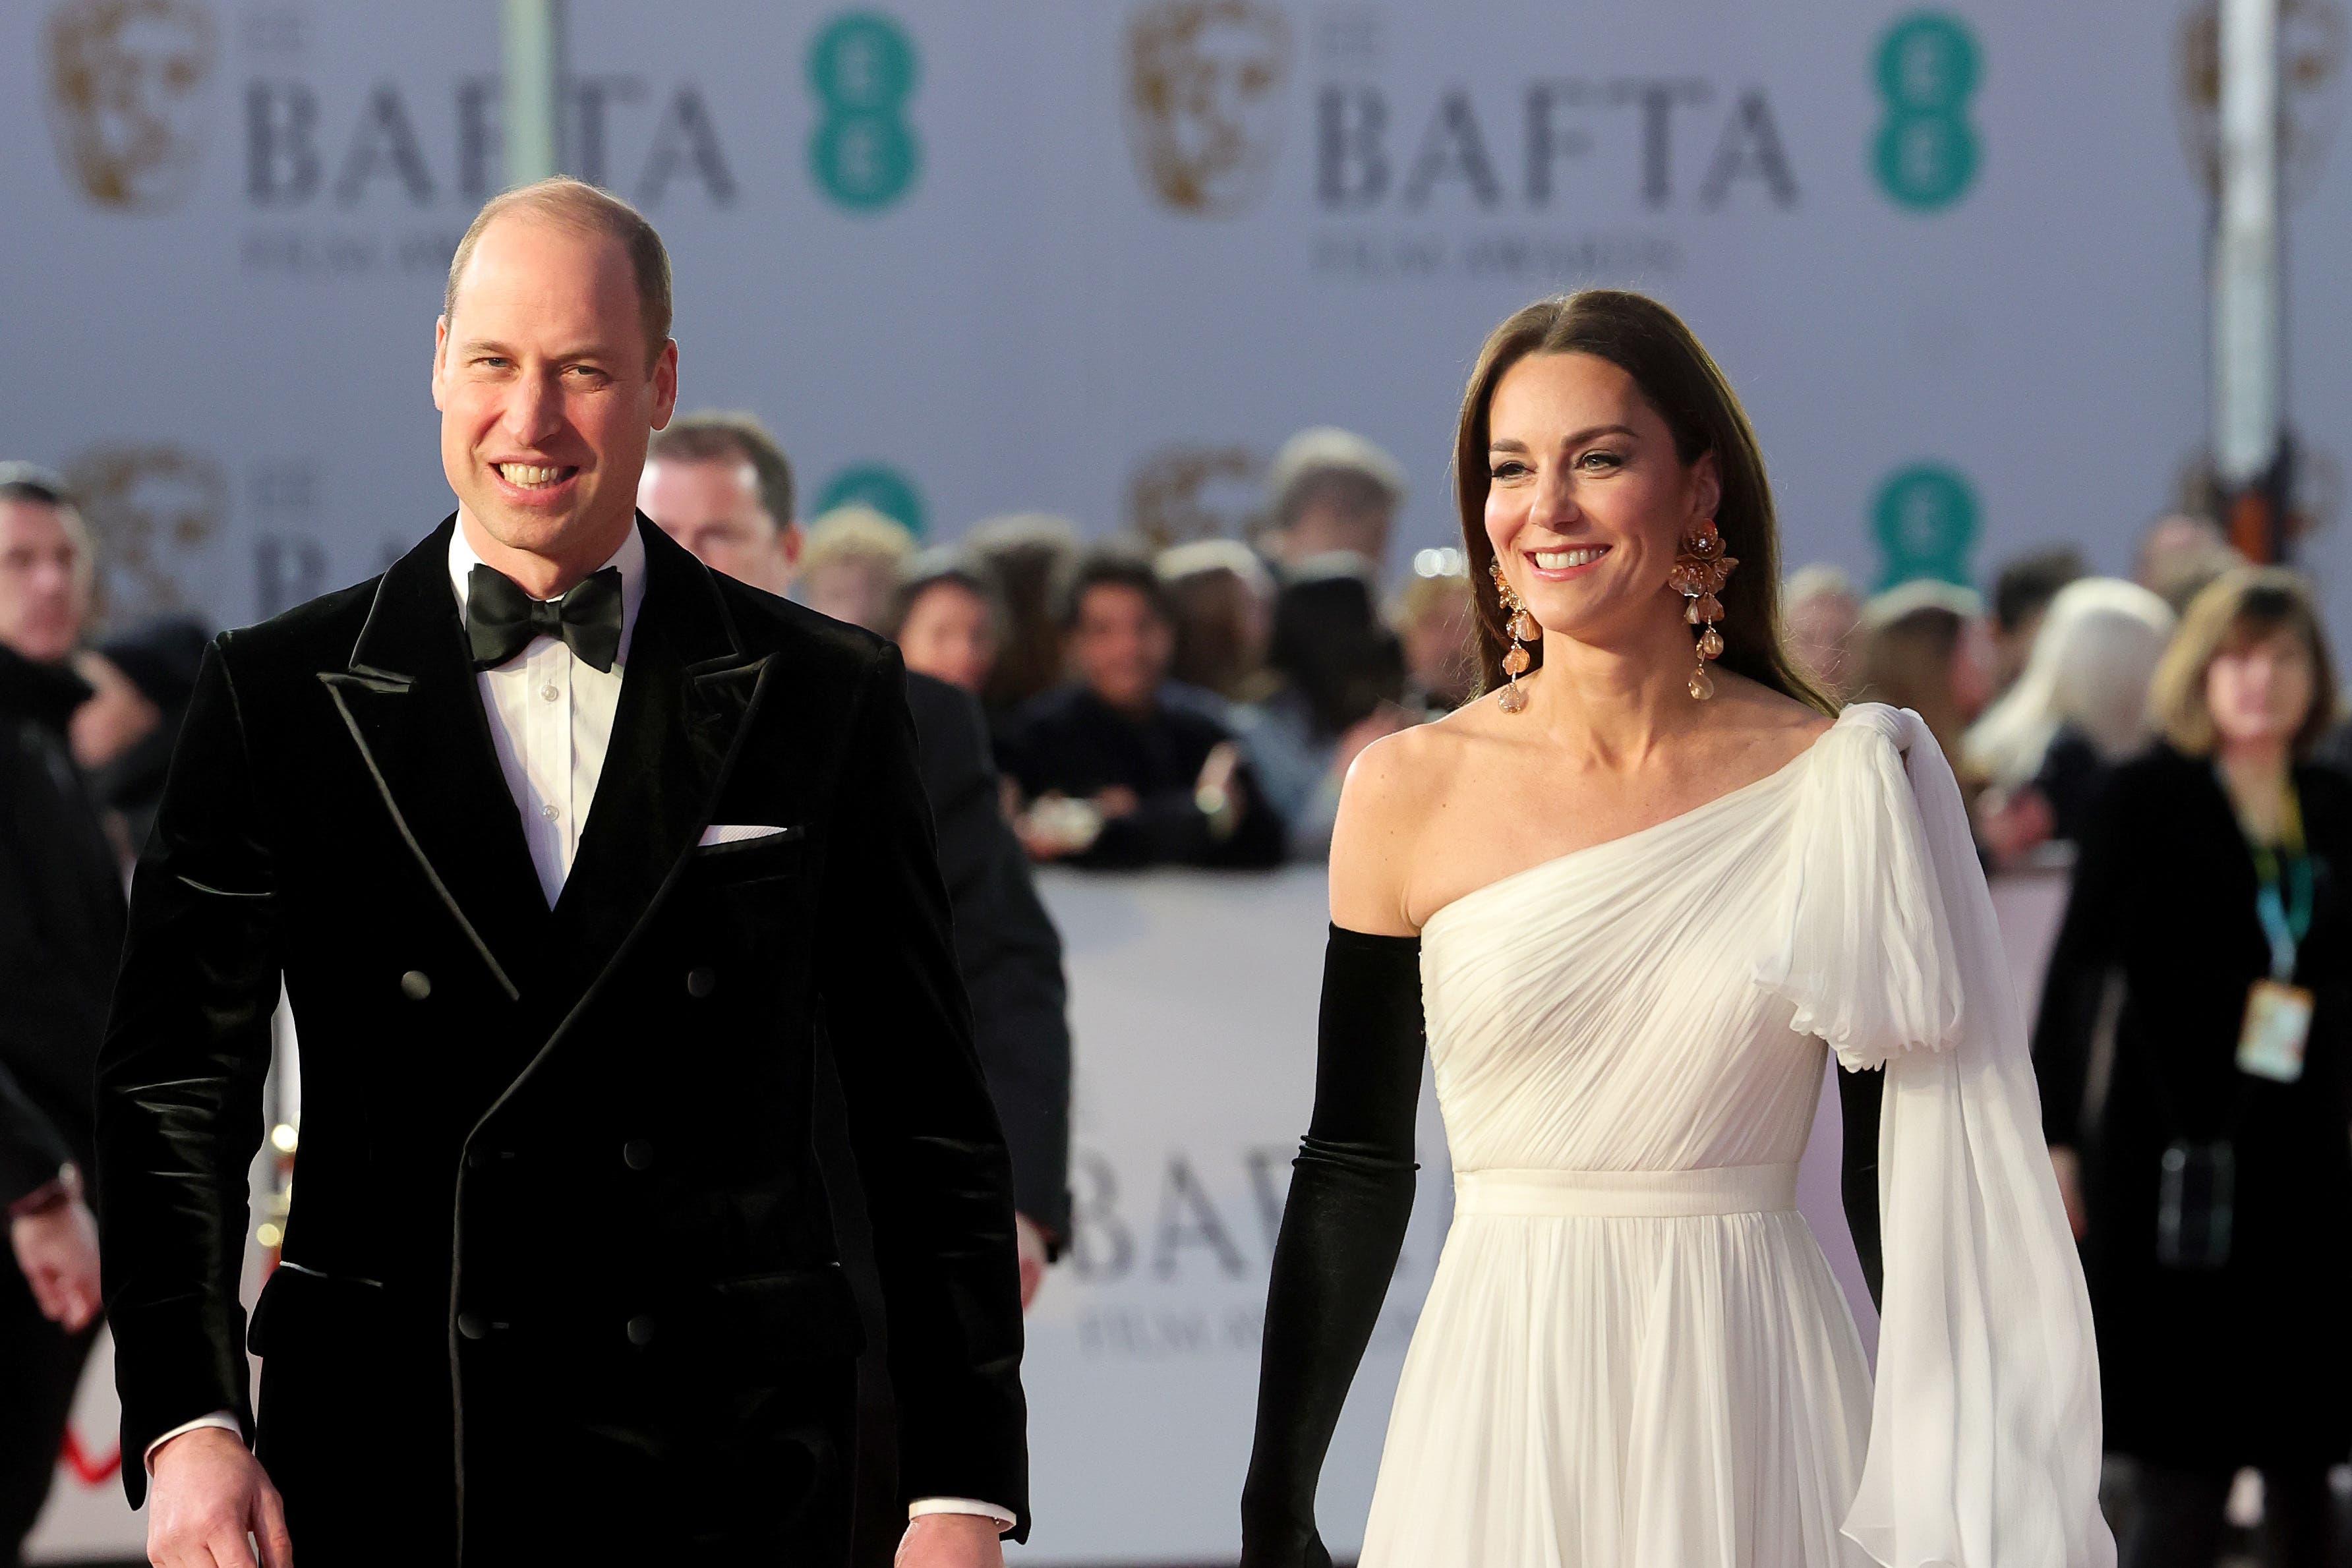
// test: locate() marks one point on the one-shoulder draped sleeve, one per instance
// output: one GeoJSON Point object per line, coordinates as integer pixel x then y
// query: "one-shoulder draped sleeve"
{"type": "Point", "coordinates": [1984, 1440]}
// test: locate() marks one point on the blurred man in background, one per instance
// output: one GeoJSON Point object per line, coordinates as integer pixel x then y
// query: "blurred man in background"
{"type": "Point", "coordinates": [1331, 489]}
{"type": "Point", "coordinates": [715, 482]}
{"type": "Point", "coordinates": [1114, 774]}
{"type": "Point", "coordinates": [60, 931]}
{"type": "Point", "coordinates": [719, 484]}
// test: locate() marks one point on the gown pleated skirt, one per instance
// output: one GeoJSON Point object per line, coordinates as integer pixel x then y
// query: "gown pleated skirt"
{"type": "Point", "coordinates": [1623, 1389]}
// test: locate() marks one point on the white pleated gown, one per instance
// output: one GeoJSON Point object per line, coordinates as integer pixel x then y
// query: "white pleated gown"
{"type": "Point", "coordinates": [1633, 1354]}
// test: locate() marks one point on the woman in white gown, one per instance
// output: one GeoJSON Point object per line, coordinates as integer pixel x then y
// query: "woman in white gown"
{"type": "Point", "coordinates": [1635, 904]}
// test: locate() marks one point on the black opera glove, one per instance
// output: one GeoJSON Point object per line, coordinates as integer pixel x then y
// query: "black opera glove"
{"type": "Point", "coordinates": [1351, 1197]}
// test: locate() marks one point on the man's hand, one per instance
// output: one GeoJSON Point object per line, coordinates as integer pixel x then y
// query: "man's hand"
{"type": "Point", "coordinates": [208, 1495]}
{"type": "Point", "coordinates": [950, 1540]}
{"type": "Point", "coordinates": [1029, 1238]}
{"type": "Point", "coordinates": [57, 1250]}
{"type": "Point", "coordinates": [2067, 1165]}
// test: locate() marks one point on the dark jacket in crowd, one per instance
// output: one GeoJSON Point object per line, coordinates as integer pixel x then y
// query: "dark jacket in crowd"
{"type": "Point", "coordinates": [161, 658]}
{"type": "Point", "coordinates": [2072, 775]}
{"type": "Point", "coordinates": [1006, 948]}
{"type": "Point", "coordinates": [559, 1282]}
{"type": "Point", "coordinates": [60, 930]}
{"type": "Point", "coordinates": [2248, 1364]}
{"type": "Point", "coordinates": [1072, 742]}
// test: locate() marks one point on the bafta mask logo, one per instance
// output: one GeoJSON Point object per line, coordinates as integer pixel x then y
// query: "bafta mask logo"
{"type": "Point", "coordinates": [1204, 81]}
{"type": "Point", "coordinates": [125, 81]}
{"type": "Point", "coordinates": [2312, 38]}
{"type": "Point", "coordinates": [156, 513]}
{"type": "Point", "coordinates": [1181, 493]}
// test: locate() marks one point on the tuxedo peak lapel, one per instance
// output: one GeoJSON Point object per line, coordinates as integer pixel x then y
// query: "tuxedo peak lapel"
{"type": "Point", "coordinates": [410, 701]}
{"type": "Point", "coordinates": [687, 695]}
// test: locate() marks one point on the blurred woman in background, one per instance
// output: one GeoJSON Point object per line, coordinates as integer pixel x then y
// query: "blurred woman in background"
{"type": "Point", "coordinates": [947, 622]}
{"type": "Point", "coordinates": [2191, 1049]}
{"type": "Point", "coordinates": [1224, 599]}
{"type": "Point", "coordinates": [2079, 707]}
{"type": "Point", "coordinates": [1923, 645]}
{"type": "Point", "coordinates": [1028, 559]}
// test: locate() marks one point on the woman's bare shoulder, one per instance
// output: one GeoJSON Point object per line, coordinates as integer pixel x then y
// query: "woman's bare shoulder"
{"type": "Point", "coordinates": [1391, 791]}
{"type": "Point", "coordinates": [1767, 720]}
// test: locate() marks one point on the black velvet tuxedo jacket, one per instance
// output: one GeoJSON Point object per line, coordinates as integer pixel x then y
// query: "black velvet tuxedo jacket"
{"type": "Point", "coordinates": [558, 1280]}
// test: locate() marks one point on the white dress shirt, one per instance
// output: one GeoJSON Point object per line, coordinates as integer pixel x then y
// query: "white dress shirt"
{"type": "Point", "coordinates": [551, 715]}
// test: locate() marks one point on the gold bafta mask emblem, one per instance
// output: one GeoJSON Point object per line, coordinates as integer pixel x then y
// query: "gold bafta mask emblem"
{"type": "Point", "coordinates": [1204, 81]}
{"type": "Point", "coordinates": [124, 100]}
{"type": "Point", "coordinates": [2312, 39]}
{"type": "Point", "coordinates": [156, 513]}
{"type": "Point", "coordinates": [1181, 493]}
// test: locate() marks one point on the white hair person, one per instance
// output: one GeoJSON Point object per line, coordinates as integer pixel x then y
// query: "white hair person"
{"type": "Point", "coordinates": [2090, 668]}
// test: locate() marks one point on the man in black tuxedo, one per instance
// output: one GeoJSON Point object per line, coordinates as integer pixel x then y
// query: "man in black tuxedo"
{"type": "Point", "coordinates": [566, 848]}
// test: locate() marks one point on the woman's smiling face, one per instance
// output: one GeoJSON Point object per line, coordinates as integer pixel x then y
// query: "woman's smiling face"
{"type": "Point", "coordinates": [1587, 500]}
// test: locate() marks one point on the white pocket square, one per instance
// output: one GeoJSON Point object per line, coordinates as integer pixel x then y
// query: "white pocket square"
{"type": "Point", "coordinates": [735, 832]}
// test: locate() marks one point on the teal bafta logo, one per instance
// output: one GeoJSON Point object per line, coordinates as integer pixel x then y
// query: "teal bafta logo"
{"type": "Point", "coordinates": [878, 485]}
{"type": "Point", "coordinates": [1925, 520]}
{"type": "Point", "coordinates": [1925, 151]}
{"type": "Point", "coordinates": [864, 154]}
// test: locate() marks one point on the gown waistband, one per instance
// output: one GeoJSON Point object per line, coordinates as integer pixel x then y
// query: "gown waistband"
{"type": "Point", "coordinates": [1626, 1195]}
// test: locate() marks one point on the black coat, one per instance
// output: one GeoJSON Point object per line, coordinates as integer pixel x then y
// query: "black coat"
{"type": "Point", "coordinates": [1006, 948]}
{"type": "Point", "coordinates": [559, 1281]}
{"type": "Point", "coordinates": [2248, 1364]}
{"type": "Point", "coordinates": [60, 930]}
{"type": "Point", "coordinates": [1071, 741]}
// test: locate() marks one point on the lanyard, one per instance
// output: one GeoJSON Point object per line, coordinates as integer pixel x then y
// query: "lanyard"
{"type": "Point", "coordinates": [2282, 899]}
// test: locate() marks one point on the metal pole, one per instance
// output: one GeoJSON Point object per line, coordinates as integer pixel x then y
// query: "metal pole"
{"type": "Point", "coordinates": [532, 37]}
{"type": "Point", "coordinates": [2247, 379]}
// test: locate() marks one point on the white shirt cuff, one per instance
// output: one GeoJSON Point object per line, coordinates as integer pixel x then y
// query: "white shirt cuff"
{"type": "Point", "coordinates": [225, 1419]}
{"type": "Point", "coordinates": [923, 1505]}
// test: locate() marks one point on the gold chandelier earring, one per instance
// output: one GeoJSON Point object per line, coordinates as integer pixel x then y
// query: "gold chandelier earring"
{"type": "Point", "coordinates": [1698, 574]}
{"type": "Point", "coordinates": [1521, 628]}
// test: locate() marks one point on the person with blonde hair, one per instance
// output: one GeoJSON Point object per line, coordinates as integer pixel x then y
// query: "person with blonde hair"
{"type": "Point", "coordinates": [852, 564]}
{"type": "Point", "coordinates": [2195, 1051]}
{"type": "Point", "coordinates": [2079, 707]}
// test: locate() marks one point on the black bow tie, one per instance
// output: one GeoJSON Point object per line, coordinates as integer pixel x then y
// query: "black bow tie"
{"type": "Point", "coordinates": [501, 619]}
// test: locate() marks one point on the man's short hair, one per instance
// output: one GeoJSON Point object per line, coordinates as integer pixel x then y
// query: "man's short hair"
{"type": "Point", "coordinates": [1328, 463]}
{"type": "Point", "coordinates": [581, 207]}
{"type": "Point", "coordinates": [22, 481]}
{"type": "Point", "coordinates": [712, 436]}
{"type": "Point", "coordinates": [2024, 586]}
{"type": "Point", "coordinates": [1113, 566]}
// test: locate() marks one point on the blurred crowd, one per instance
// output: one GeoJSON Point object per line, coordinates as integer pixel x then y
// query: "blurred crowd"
{"type": "Point", "coordinates": [1192, 703]}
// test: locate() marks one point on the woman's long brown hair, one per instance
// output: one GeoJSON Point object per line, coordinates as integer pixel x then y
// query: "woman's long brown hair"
{"type": "Point", "coordinates": [1681, 381]}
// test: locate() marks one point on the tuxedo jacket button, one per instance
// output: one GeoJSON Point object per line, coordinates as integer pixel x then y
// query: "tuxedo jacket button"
{"type": "Point", "coordinates": [416, 984]}
{"type": "Point", "coordinates": [473, 1325]}
{"type": "Point", "coordinates": [641, 1330]}
{"type": "Point", "coordinates": [638, 1154]}
{"type": "Point", "coordinates": [700, 981]}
